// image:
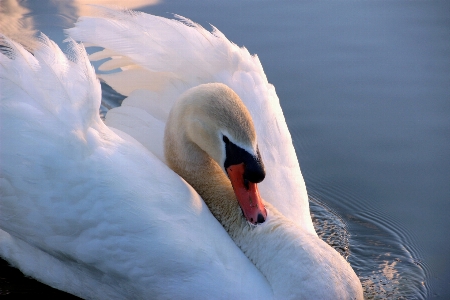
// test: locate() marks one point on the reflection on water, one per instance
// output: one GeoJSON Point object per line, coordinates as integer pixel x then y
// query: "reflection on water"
{"type": "Point", "coordinates": [20, 20]}
{"type": "Point", "coordinates": [386, 269]}
{"type": "Point", "coordinates": [330, 227]}
{"type": "Point", "coordinates": [383, 285]}
{"type": "Point", "coordinates": [16, 23]}
{"type": "Point", "coordinates": [387, 266]}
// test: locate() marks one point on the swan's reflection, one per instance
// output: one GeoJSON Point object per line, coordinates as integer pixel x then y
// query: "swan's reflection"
{"type": "Point", "coordinates": [18, 18]}
{"type": "Point", "coordinates": [84, 9]}
{"type": "Point", "coordinates": [384, 281]}
{"type": "Point", "coordinates": [16, 22]}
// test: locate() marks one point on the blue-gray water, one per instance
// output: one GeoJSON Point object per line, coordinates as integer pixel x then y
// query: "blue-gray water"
{"type": "Point", "coordinates": [365, 89]}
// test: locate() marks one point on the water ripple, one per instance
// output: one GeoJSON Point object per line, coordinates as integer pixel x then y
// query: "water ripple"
{"type": "Point", "coordinates": [382, 255]}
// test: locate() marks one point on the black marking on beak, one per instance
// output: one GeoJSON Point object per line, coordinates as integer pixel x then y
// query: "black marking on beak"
{"type": "Point", "coordinates": [254, 167]}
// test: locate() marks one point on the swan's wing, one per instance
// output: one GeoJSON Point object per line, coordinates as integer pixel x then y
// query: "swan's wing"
{"type": "Point", "coordinates": [94, 214]}
{"type": "Point", "coordinates": [156, 59]}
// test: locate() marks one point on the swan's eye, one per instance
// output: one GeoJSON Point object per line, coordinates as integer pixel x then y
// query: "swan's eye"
{"type": "Point", "coordinates": [226, 140]}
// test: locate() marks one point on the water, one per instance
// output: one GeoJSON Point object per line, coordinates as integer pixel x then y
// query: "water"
{"type": "Point", "coordinates": [365, 88]}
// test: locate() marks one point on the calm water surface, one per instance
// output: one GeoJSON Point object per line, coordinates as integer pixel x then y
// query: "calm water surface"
{"type": "Point", "coordinates": [365, 88]}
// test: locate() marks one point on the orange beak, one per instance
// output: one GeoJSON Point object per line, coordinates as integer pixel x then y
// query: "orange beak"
{"type": "Point", "coordinates": [247, 195]}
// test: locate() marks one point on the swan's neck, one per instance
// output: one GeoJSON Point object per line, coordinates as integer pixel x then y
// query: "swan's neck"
{"type": "Point", "coordinates": [296, 264]}
{"type": "Point", "coordinates": [209, 180]}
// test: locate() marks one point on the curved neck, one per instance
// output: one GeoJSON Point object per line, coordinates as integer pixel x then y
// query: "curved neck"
{"type": "Point", "coordinates": [262, 244]}
{"type": "Point", "coordinates": [296, 264]}
{"type": "Point", "coordinates": [208, 179]}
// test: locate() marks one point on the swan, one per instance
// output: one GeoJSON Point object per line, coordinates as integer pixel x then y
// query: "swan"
{"type": "Point", "coordinates": [104, 211]}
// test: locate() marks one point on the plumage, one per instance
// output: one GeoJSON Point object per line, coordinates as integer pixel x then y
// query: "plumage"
{"type": "Point", "coordinates": [167, 58]}
{"type": "Point", "coordinates": [94, 210]}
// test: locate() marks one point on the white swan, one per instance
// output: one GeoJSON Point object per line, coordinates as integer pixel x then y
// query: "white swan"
{"type": "Point", "coordinates": [96, 212]}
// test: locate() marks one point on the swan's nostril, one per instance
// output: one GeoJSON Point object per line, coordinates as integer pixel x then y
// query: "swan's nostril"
{"type": "Point", "coordinates": [261, 218]}
{"type": "Point", "coordinates": [246, 184]}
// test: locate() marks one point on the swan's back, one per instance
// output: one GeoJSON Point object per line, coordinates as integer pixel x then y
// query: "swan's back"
{"type": "Point", "coordinates": [161, 58]}
{"type": "Point", "coordinates": [91, 210]}
{"type": "Point", "coordinates": [89, 213]}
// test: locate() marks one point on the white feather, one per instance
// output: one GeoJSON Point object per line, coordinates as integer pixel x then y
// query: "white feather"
{"type": "Point", "coordinates": [166, 57]}
{"type": "Point", "coordinates": [90, 213]}
{"type": "Point", "coordinates": [94, 210]}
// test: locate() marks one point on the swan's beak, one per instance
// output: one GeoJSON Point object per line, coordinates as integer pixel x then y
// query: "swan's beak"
{"type": "Point", "coordinates": [247, 195]}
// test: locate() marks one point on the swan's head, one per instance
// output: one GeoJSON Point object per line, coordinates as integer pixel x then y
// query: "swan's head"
{"type": "Point", "coordinates": [215, 119]}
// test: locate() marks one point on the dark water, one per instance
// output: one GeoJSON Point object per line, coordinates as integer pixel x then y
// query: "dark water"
{"type": "Point", "coordinates": [365, 88]}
